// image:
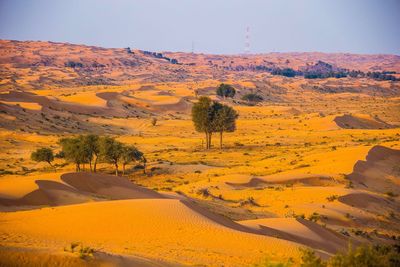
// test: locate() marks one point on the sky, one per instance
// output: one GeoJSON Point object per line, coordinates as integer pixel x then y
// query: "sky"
{"type": "Point", "coordinates": [209, 26]}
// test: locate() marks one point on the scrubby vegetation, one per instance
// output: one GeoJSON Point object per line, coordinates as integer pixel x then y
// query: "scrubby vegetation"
{"type": "Point", "coordinates": [91, 149]}
{"type": "Point", "coordinates": [362, 256]}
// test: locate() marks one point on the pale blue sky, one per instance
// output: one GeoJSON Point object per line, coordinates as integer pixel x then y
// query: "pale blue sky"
{"type": "Point", "coordinates": [215, 26]}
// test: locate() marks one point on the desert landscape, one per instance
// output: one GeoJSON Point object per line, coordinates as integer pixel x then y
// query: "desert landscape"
{"type": "Point", "coordinates": [312, 163]}
{"type": "Point", "coordinates": [137, 133]}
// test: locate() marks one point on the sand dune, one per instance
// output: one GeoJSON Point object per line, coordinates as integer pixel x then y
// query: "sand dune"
{"type": "Point", "coordinates": [303, 179]}
{"type": "Point", "coordinates": [300, 231]}
{"type": "Point", "coordinates": [108, 186]}
{"type": "Point", "coordinates": [369, 202]}
{"type": "Point", "coordinates": [46, 102]}
{"type": "Point", "coordinates": [183, 105]}
{"type": "Point", "coordinates": [380, 171]}
{"type": "Point", "coordinates": [50, 193]}
{"type": "Point", "coordinates": [16, 257]}
{"type": "Point", "coordinates": [357, 122]}
{"type": "Point", "coordinates": [136, 227]}
{"type": "Point", "coordinates": [79, 188]}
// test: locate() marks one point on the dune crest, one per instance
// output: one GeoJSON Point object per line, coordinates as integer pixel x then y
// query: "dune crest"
{"type": "Point", "coordinates": [356, 122]}
{"type": "Point", "coordinates": [380, 171]}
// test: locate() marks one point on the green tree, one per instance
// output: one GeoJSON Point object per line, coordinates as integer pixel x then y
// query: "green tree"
{"type": "Point", "coordinates": [224, 119]}
{"type": "Point", "coordinates": [130, 154]}
{"type": "Point", "coordinates": [91, 145]}
{"type": "Point", "coordinates": [202, 113]}
{"type": "Point", "coordinates": [43, 154]}
{"type": "Point", "coordinates": [74, 151]}
{"type": "Point", "coordinates": [111, 151]}
{"type": "Point", "coordinates": [226, 90]}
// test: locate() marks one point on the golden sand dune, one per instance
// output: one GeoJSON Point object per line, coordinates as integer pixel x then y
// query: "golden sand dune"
{"type": "Point", "coordinates": [380, 172]}
{"type": "Point", "coordinates": [303, 179]}
{"type": "Point", "coordinates": [107, 186]}
{"type": "Point", "coordinates": [78, 188]}
{"type": "Point", "coordinates": [16, 257]}
{"type": "Point", "coordinates": [137, 227]}
{"type": "Point", "coordinates": [47, 102]}
{"type": "Point", "coordinates": [181, 168]}
{"type": "Point", "coordinates": [361, 122]}
{"type": "Point", "coordinates": [300, 231]}
{"type": "Point", "coordinates": [50, 193]}
{"type": "Point", "coordinates": [370, 202]}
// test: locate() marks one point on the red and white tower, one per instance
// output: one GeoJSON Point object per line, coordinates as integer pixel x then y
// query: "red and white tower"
{"type": "Point", "coordinates": [247, 41]}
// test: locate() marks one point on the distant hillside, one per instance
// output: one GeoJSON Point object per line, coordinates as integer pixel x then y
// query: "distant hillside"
{"type": "Point", "coordinates": [34, 65]}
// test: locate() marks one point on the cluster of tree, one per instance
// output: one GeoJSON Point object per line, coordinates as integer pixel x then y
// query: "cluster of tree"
{"type": "Point", "coordinates": [226, 90]}
{"type": "Point", "coordinates": [252, 98]}
{"type": "Point", "coordinates": [384, 76]}
{"type": "Point", "coordinates": [213, 117]}
{"type": "Point", "coordinates": [287, 72]}
{"type": "Point", "coordinates": [73, 64]}
{"type": "Point", "coordinates": [324, 75]}
{"type": "Point", "coordinates": [161, 56]}
{"type": "Point", "coordinates": [92, 149]}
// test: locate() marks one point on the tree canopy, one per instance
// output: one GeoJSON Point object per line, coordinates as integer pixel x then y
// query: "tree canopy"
{"type": "Point", "coordinates": [226, 90]}
{"type": "Point", "coordinates": [210, 116]}
{"type": "Point", "coordinates": [93, 149]}
{"type": "Point", "coordinates": [43, 154]}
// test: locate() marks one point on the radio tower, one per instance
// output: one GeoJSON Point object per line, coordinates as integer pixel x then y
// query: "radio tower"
{"type": "Point", "coordinates": [247, 41]}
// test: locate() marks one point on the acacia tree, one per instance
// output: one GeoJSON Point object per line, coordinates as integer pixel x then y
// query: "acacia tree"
{"type": "Point", "coordinates": [130, 154]}
{"type": "Point", "coordinates": [210, 116]}
{"type": "Point", "coordinates": [224, 120]}
{"type": "Point", "coordinates": [226, 90]}
{"type": "Point", "coordinates": [111, 151]}
{"type": "Point", "coordinates": [202, 118]}
{"type": "Point", "coordinates": [91, 146]}
{"type": "Point", "coordinates": [74, 151]}
{"type": "Point", "coordinates": [43, 154]}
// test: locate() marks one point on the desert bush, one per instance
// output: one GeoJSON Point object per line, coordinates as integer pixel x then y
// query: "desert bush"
{"type": "Point", "coordinates": [226, 90]}
{"type": "Point", "coordinates": [332, 198]}
{"type": "Point", "coordinates": [252, 98]}
{"type": "Point", "coordinates": [154, 121]}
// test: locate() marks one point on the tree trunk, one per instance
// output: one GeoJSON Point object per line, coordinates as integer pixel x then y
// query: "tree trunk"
{"type": "Point", "coordinates": [116, 169]}
{"type": "Point", "coordinates": [123, 169]}
{"type": "Point", "coordinates": [95, 164]}
{"type": "Point", "coordinates": [209, 141]}
{"type": "Point", "coordinates": [220, 139]}
{"type": "Point", "coordinates": [206, 140]}
{"type": "Point", "coordinates": [51, 165]}
{"type": "Point", "coordinates": [90, 165]}
{"type": "Point", "coordinates": [144, 165]}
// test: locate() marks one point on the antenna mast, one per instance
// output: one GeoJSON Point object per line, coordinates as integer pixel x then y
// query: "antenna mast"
{"type": "Point", "coordinates": [247, 41]}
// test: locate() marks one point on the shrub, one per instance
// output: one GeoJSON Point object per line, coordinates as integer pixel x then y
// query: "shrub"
{"type": "Point", "coordinates": [332, 198]}
{"type": "Point", "coordinates": [252, 98]}
{"type": "Point", "coordinates": [226, 90]}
